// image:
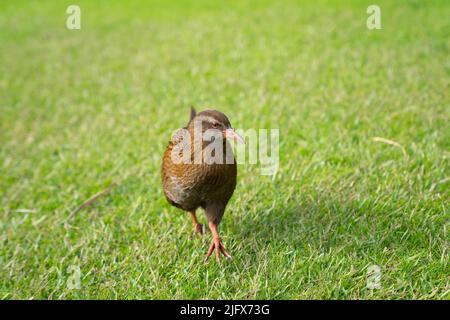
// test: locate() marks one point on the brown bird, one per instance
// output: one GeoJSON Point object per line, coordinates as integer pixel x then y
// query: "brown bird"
{"type": "Point", "coordinates": [199, 171]}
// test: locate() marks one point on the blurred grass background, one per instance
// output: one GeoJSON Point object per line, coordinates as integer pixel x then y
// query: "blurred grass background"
{"type": "Point", "coordinates": [83, 109]}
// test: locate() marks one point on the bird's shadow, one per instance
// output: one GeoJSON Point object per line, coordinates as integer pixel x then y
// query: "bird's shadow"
{"type": "Point", "coordinates": [318, 222]}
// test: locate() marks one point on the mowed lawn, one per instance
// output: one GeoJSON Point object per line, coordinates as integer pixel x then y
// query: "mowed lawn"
{"type": "Point", "coordinates": [81, 110]}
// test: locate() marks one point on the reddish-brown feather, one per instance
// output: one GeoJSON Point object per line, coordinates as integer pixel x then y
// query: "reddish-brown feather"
{"type": "Point", "coordinates": [189, 186]}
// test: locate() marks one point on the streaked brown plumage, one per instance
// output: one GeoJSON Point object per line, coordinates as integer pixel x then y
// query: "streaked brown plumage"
{"type": "Point", "coordinates": [190, 185]}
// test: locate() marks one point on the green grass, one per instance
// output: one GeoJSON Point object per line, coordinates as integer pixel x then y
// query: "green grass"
{"type": "Point", "coordinates": [80, 110]}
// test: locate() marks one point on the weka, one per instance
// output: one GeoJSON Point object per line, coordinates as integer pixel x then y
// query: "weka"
{"type": "Point", "coordinates": [195, 177]}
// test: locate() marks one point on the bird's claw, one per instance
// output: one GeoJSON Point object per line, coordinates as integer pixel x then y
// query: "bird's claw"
{"type": "Point", "coordinates": [217, 246]}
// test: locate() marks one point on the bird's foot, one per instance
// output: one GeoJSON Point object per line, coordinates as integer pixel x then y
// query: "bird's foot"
{"type": "Point", "coordinates": [199, 229]}
{"type": "Point", "coordinates": [217, 246]}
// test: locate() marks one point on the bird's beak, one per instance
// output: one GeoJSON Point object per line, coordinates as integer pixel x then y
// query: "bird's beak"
{"type": "Point", "coordinates": [230, 133]}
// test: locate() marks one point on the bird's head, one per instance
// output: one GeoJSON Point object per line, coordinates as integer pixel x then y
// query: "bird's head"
{"type": "Point", "coordinates": [213, 120]}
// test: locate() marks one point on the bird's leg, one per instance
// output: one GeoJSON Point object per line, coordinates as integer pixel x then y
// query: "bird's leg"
{"type": "Point", "coordinates": [216, 244]}
{"type": "Point", "coordinates": [198, 227]}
